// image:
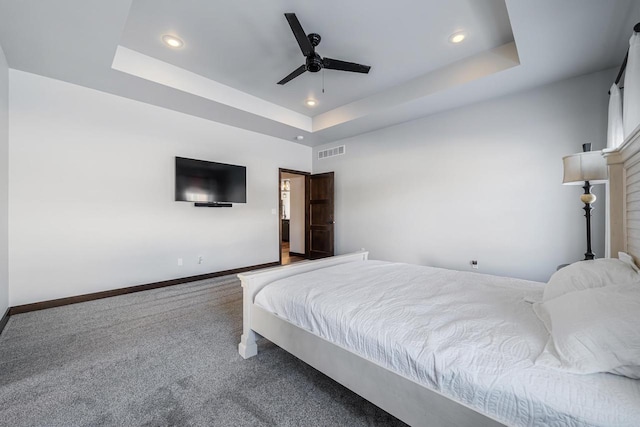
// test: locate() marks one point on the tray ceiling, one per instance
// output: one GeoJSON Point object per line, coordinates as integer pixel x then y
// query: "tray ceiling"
{"type": "Point", "coordinates": [235, 52]}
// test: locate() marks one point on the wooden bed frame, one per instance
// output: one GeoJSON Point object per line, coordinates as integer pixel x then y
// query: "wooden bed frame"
{"type": "Point", "coordinates": [403, 398]}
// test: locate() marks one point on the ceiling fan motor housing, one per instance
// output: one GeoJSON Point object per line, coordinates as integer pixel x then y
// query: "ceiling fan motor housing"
{"type": "Point", "coordinates": [314, 63]}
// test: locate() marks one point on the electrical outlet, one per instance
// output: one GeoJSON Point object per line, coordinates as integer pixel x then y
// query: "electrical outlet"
{"type": "Point", "coordinates": [200, 259]}
{"type": "Point", "coordinates": [474, 264]}
{"type": "Point", "coordinates": [179, 261]}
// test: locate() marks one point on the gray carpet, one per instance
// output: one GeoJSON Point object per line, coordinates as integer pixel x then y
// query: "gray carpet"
{"type": "Point", "coordinates": [158, 358]}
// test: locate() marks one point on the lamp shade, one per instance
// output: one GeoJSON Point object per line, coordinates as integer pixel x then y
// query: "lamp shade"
{"type": "Point", "coordinates": [589, 166]}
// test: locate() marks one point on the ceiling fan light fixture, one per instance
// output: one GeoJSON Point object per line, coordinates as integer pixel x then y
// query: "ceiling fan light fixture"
{"type": "Point", "coordinates": [172, 41]}
{"type": "Point", "coordinates": [457, 37]}
{"type": "Point", "coordinates": [311, 102]}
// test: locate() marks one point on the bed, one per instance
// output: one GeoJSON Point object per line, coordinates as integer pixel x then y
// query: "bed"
{"type": "Point", "coordinates": [415, 346]}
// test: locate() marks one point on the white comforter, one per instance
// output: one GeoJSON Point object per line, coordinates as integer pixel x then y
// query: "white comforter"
{"type": "Point", "coordinates": [470, 336]}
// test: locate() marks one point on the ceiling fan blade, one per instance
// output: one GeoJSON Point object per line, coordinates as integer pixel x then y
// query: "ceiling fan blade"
{"type": "Point", "coordinates": [301, 37]}
{"type": "Point", "coordinates": [336, 64]}
{"type": "Point", "coordinates": [301, 69]}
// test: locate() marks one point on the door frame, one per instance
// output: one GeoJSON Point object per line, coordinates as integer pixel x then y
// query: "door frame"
{"type": "Point", "coordinates": [306, 210]}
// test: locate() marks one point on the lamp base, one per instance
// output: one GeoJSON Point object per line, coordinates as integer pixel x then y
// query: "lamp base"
{"type": "Point", "coordinates": [588, 198]}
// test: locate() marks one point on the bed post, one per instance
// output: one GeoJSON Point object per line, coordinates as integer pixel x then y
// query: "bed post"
{"type": "Point", "coordinates": [247, 346]}
{"type": "Point", "coordinates": [617, 208]}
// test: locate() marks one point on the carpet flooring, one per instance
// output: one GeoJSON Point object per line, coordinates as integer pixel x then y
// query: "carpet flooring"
{"type": "Point", "coordinates": [164, 357]}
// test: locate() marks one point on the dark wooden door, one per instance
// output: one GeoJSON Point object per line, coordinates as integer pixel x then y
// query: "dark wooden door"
{"type": "Point", "coordinates": [320, 227]}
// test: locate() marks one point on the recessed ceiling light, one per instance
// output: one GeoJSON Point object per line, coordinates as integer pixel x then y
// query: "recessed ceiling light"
{"type": "Point", "coordinates": [172, 41]}
{"type": "Point", "coordinates": [457, 37]}
{"type": "Point", "coordinates": [299, 137]}
{"type": "Point", "coordinates": [311, 102]}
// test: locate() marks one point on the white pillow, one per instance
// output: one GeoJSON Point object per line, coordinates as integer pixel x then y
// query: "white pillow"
{"type": "Point", "coordinates": [589, 274]}
{"type": "Point", "coordinates": [593, 330]}
{"type": "Point", "coordinates": [628, 259]}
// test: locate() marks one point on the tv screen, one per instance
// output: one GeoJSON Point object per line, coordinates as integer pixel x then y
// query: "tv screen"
{"type": "Point", "coordinates": [210, 182]}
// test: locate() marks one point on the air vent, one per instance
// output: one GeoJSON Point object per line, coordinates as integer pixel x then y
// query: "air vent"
{"type": "Point", "coordinates": [330, 152]}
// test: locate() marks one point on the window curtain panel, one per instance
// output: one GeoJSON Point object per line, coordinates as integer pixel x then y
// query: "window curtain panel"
{"type": "Point", "coordinates": [631, 104]}
{"type": "Point", "coordinates": [615, 131]}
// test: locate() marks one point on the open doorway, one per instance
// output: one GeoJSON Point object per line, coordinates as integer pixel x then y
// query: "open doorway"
{"type": "Point", "coordinates": [293, 212]}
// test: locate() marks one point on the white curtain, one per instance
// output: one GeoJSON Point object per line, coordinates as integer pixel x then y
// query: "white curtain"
{"type": "Point", "coordinates": [631, 105]}
{"type": "Point", "coordinates": [615, 132]}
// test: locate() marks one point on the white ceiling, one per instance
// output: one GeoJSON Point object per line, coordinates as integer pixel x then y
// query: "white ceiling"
{"type": "Point", "coordinates": [249, 45]}
{"type": "Point", "coordinates": [236, 51]}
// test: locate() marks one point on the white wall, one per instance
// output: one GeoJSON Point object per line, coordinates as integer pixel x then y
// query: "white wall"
{"type": "Point", "coordinates": [92, 186]}
{"type": "Point", "coordinates": [4, 184]}
{"type": "Point", "coordinates": [481, 182]}
{"type": "Point", "coordinates": [296, 223]}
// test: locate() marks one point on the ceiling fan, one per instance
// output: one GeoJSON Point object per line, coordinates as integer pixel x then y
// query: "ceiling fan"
{"type": "Point", "coordinates": [315, 62]}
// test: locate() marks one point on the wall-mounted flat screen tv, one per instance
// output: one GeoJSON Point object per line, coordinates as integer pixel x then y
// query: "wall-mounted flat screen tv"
{"type": "Point", "coordinates": [209, 182]}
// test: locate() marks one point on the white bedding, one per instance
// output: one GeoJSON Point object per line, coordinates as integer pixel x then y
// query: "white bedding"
{"type": "Point", "coordinates": [470, 336]}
